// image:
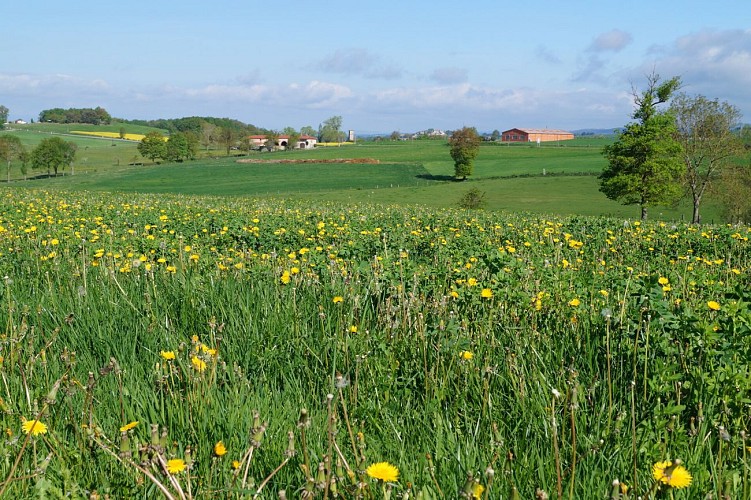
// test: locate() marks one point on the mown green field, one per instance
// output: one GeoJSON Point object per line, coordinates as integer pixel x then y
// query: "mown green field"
{"type": "Point", "coordinates": [213, 347]}
{"type": "Point", "coordinates": [412, 172]}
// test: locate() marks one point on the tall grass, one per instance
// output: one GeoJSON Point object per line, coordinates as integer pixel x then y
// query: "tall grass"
{"type": "Point", "coordinates": [480, 355]}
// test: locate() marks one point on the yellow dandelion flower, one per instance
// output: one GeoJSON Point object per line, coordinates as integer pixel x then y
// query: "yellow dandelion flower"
{"type": "Point", "coordinates": [713, 305]}
{"type": "Point", "coordinates": [486, 293]}
{"type": "Point", "coordinates": [338, 299]}
{"type": "Point", "coordinates": [604, 293]}
{"type": "Point", "coordinates": [219, 449]}
{"type": "Point", "coordinates": [175, 465]}
{"type": "Point", "coordinates": [663, 281]}
{"type": "Point", "coordinates": [383, 471]}
{"type": "Point", "coordinates": [472, 282]}
{"type": "Point", "coordinates": [236, 464]}
{"type": "Point", "coordinates": [353, 329]}
{"type": "Point", "coordinates": [671, 473]}
{"type": "Point", "coordinates": [33, 427]}
{"type": "Point", "coordinates": [477, 491]}
{"type": "Point", "coordinates": [574, 303]}
{"type": "Point", "coordinates": [198, 363]}
{"type": "Point", "coordinates": [168, 355]}
{"type": "Point", "coordinates": [128, 426]}
{"type": "Point", "coordinates": [466, 355]}
{"type": "Point", "coordinates": [286, 278]}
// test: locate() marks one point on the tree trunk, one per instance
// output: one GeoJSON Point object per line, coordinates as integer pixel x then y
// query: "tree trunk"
{"type": "Point", "coordinates": [643, 212]}
{"type": "Point", "coordinates": [696, 217]}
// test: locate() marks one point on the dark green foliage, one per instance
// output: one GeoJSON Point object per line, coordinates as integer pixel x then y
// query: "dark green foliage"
{"type": "Point", "coordinates": [473, 199]}
{"type": "Point", "coordinates": [53, 153]}
{"type": "Point", "coordinates": [465, 145]}
{"type": "Point", "coordinates": [329, 130]}
{"type": "Point", "coordinates": [644, 165]}
{"type": "Point", "coordinates": [94, 116]}
{"type": "Point", "coordinates": [181, 146]}
{"type": "Point", "coordinates": [153, 146]}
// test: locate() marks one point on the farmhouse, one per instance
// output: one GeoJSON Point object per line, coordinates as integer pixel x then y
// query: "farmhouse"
{"type": "Point", "coordinates": [282, 141]}
{"type": "Point", "coordinates": [535, 135]}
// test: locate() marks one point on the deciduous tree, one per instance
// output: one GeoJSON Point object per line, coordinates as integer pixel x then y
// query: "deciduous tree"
{"type": "Point", "coordinates": [705, 131]}
{"type": "Point", "coordinates": [3, 116]}
{"type": "Point", "coordinates": [465, 146]}
{"type": "Point", "coordinates": [10, 149]}
{"type": "Point", "coordinates": [644, 164]}
{"type": "Point", "coordinates": [53, 153]}
{"type": "Point", "coordinates": [153, 146]}
{"type": "Point", "coordinates": [329, 130]}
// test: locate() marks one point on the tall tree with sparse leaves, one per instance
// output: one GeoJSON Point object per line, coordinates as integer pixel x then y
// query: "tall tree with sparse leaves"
{"type": "Point", "coordinates": [3, 116]}
{"type": "Point", "coordinates": [10, 149]}
{"type": "Point", "coordinates": [705, 130]}
{"type": "Point", "coordinates": [644, 163]}
{"type": "Point", "coordinates": [465, 146]}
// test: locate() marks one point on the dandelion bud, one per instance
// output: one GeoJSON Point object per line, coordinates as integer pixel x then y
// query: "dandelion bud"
{"type": "Point", "coordinates": [52, 395]}
{"type": "Point", "coordinates": [258, 436]}
{"type": "Point", "coordinates": [616, 493]}
{"type": "Point", "coordinates": [163, 439]}
{"type": "Point", "coordinates": [467, 488]}
{"type": "Point", "coordinates": [321, 476]}
{"type": "Point", "coordinates": [304, 420]}
{"type": "Point", "coordinates": [188, 458]}
{"type": "Point", "coordinates": [155, 434]}
{"type": "Point", "coordinates": [256, 420]}
{"type": "Point", "coordinates": [515, 493]}
{"type": "Point", "coordinates": [724, 434]}
{"type": "Point", "coordinates": [290, 452]}
{"type": "Point", "coordinates": [333, 488]}
{"type": "Point", "coordinates": [125, 448]}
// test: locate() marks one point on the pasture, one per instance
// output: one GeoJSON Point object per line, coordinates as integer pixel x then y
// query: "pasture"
{"type": "Point", "coordinates": [554, 178]}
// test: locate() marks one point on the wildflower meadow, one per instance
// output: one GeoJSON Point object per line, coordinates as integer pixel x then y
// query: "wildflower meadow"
{"type": "Point", "coordinates": [196, 347]}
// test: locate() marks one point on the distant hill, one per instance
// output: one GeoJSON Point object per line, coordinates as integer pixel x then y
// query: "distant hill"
{"type": "Point", "coordinates": [595, 131]}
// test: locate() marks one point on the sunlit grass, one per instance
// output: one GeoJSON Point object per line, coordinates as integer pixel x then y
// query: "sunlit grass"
{"type": "Point", "coordinates": [476, 354]}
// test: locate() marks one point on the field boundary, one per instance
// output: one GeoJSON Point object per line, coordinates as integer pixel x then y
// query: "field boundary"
{"type": "Point", "coordinates": [365, 161]}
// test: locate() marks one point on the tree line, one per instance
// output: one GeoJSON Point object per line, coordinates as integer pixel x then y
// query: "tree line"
{"type": "Point", "coordinates": [52, 154]}
{"type": "Point", "coordinates": [93, 116]}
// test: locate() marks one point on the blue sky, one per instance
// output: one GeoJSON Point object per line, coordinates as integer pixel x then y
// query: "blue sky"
{"type": "Point", "coordinates": [381, 65]}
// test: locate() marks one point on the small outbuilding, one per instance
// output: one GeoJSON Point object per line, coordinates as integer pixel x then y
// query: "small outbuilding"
{"type": "Point", "coordinates": [535, 135]}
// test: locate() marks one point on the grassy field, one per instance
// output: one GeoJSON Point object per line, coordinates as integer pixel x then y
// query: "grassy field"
{"type": "Point", "coordinates": [201, 347]}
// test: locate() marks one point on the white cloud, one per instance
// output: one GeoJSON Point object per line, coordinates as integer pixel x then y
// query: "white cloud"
{"type": "Point", "coordinates": [611, 41]}
{"type": "Point", "coordinates": [714, 63]}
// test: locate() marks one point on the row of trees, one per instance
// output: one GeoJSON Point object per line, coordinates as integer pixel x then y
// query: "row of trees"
{"type": "Point", "coordinates": [679, 150]}
{"type": "Point", "coordinates": [94, 116]}
{"type": "Point", "coordinates": [178, 147]}
{"type": "Point", "coordinates": [52, 154]}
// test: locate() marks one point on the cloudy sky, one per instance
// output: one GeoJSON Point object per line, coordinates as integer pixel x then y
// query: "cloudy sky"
{"type": "Point", "coordinates": [384, 65]}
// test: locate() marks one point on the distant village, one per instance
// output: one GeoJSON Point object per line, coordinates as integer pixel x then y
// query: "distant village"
{"type": "Point", "coordinates": [511, 135]}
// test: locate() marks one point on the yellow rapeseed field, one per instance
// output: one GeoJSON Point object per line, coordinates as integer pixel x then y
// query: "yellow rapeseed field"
{"type": "Point", "coordinates": [110, 135]}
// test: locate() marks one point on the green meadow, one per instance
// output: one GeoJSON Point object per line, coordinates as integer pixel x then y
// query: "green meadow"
{"type": "Point", "coordinates": [553, 178]}
{"type": "Point", "coordinates": [215, 329]}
